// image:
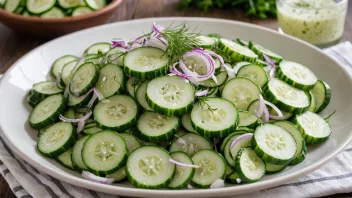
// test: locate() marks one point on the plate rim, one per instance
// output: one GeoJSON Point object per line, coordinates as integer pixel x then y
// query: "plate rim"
{"type": "Point", "coordinates": [128, 191]}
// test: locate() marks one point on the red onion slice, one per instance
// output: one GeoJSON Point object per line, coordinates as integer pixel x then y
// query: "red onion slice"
{"type": "Point", "coordinates": [260, 111]}
{"type": "Point", "coordinates": [84, 118]}
{"type": "Point", "coordinates": [180, 140]}
{"type": "Point", "coordinates": [219, 183]}
{"type": "Point", "coordinates": [80, 126]}
{"type": "Point", "coordinates": [209, 62]}
{"type": "Point", "coordinates": [239, 138]}
{"type": "Point", "coordinates": [266, 114]}
{"type": "Point", "coordinates": [230, 71]}
{"type": "Point", "coordinates": [67, 90]}
{"type": "Point", "coordinates": [120, 43]}
{"type": "Point", "coordinates": [156, 42]}
{"type": "Point", "coordinates": [202, 92]}
{"type": "Point", "coordinates": [101, 180]}
{"type": "Point", "coordinates": [97, 93]}
{"type": "Point", "coordinates": [271, 62]}
{"type": "Point", "coordinates": [277, 110]}
{"type": "Point", "coordinates": [182, 164]}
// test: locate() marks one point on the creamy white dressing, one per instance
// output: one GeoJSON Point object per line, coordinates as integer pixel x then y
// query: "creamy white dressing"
{"type": "Point", "coordinates": [316, 21]}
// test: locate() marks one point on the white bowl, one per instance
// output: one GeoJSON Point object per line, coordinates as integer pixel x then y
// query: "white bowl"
{"type": "Point", "coordinates": [34, 67]}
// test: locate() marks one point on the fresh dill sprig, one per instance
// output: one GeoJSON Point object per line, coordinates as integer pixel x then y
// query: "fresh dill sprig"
{"type": "Point", "coordinates": [204, 104]}
{"type": "Point", "coordinates": [180, 40]}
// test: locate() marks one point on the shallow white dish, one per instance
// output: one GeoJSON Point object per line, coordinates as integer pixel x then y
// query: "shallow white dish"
{"type": "Point", "coordinates": [34, 67]}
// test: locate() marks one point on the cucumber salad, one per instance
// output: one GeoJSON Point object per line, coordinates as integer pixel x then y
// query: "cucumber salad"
{"type": "Point", "coordinates": [176, 109]}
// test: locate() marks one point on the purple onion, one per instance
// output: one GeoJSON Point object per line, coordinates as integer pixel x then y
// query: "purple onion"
{"type": "Point", "coordinates": [62, 118]}
{"type": "Point", "coordinates": [239, 138]}
{"type": "Point", "coordinates": [277, 110]}
{"type": "Point", "coordinates": [260, 111]}
{"type": "Point", "coordinates": [202, 92]}
{"type": "Point", "coordinates": [182, 164]}
{"type": "Point", "coordinates": [266, 114]}
{"type": "Point", "coordinates": [101, 180]}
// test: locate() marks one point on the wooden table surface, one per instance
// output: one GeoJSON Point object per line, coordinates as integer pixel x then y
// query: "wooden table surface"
{"type": "Point", "coordinates": [13, 45]}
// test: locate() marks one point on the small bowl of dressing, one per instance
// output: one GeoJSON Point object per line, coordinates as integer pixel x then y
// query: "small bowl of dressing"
{"type": "Point", "coordinates": [319, 22]}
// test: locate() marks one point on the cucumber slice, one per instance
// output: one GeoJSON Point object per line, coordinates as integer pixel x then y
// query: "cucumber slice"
{"type": "Point", "coordinates": [119, 114]}
{"type": "Point", "coordinates": [65, 159]}
{"type": "Point", "coordinates": [274, 144]}
{"type": "Point", "coordinates": [98, 60]}
{"type": "Point", "coordinates": [196, 64]}
{"type": "Point", "coordinates": [249, 166]}
{"type": "Point", "coordinates": [82, 11]}
{"type": "Point", "coordinates": [301, 151]}
{"type": "Point", "coordinates": [97, 48]}
{"type": "Point", "coordinates": [313, 127]}
{"type": "Point", "coordinates": [77, 160]}
{"type": "Point", "coordinates": [12, 5]}
{"type": "Point", "coordinates": [221, 79]}
{"type": "Point", "coordinates": [67, 4]}
{"type": "Point", "coordinates": [237, 52]}
{"type": "Point", "coordinates": [104, 152]}
{"type": "Point", "coordinates": [131, 141]}
{"type": "Point", "coordinates": [313, 104]}
{"type": "Point", "coordinates": [56, 139]}
{"type": "Point", "coordinates": [241, 92]}
{"type": "Point", "coordinates": [244, 129]}
{"type": "Point", "coordinates": [242, 42]}
{"type": "Point", "coordinates": [96, 4]}
{"type": "Point", "coordinates": [92, 130]}
{"type": "Point", "coordinates": [233, 178]}
{"type": "Point", "coordinates": [228, 170]}
{"type": "Point", "coordinates": [227, 151]}
{"type": "Point", "coordinates": [70, 113]}
{"type": "Point", "coordinates": [180, 133]}
{"type": "Point", "coordinates": [111, 80]}
{"type": "Point", "coordinates": [190, 143]}
{"type": "Point", "coordinates": [39, 6]}
{"type": "Point", "coordinates": [131, 86]}
{"type": "Point", "coordinates": [119, 175]}
{"type": "Point", "coordinates": [42, 90]}
{"type": "Point", "coordinates": [254, 73]}
{"type": "Point", "coordinates": [272, 168]}
{"type": "Point", "coordinates": [77, 102]}
{"type": "Point", "coordinates": [248, 119]}
{"type": "Point", "coordinates": [58, 65]}
{"type": "Point", "coordinates": [66, 74]}
{"type": "Point", "coordinates": [157, 128]}
{"type": "Point", "coordinates": [170, 95]}
{"type": "Point", "coordinates": [212, 166]}
{"type": "Point", "coordinates": [260, 50]}
{"type": "Point", "coordinates": [206, 42]}
{"type": "Point", "coordinates": [47, 111]}
{"type": "Point", "coordinates": [286, 97]}
{"type": "Point", "coordinates": [213, 92]}
{"type": "Point", "coordinates": [322, 95]}
{"type": "Point", "coordinates": [183, 175]}
{"type": "Point", "coordinates": [26, 13]}
{"type": "Point", "coordinates": [84, 79]}
{"type": "Point", "coordinates": [186, 123]}
{"type": "Point", "coordinates": [115, 56]}
{"type": "Point", "coordinates": [244, 142]}
{"type": "Point", "coordinates": [296, 75]}
{"type": "Point", "coordinates": [146, 63]}
{"type": "Point", "coordinates": [215, 117]}
{"type": "Point", "coordinates": [53, 13]}
{"type": "Point", "coordinates": [149, 167]}
{"type": "Point", "coordinates": [140, 95]}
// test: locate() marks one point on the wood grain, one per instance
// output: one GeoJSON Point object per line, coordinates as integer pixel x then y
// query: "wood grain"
{"type": "Point", "coordinates": [14, 45]}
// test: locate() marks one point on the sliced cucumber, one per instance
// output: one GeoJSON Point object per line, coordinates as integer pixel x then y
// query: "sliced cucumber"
{"type": "Point", "coordinates": [111, 80]}
{"type": "Point", "coordinates": [227, 151]}
{"type": "Point", "coordinates": [213, 92]}
{"type": "Point", "coordinates": [56, 139]}
{"type": "Point", "coordinates": [104, 152]}
{"type": "Point", "coordinates": [92, 130]}
{"type": "Point", "coordinates": [313, 127]}
{"type": "Point", "coordinates": [183, 175]}
{"type": "Point", "coordinates": [115, 56]}
{"type": "Point", "coordinates": [58, 65]}
{"type": "Point", "coordinates": [241, 92]}
{"type": "Point", "coordinates": [241, 143]}
{"type": "Point", "coordinates": [119, 114]}
{"type": "Point", "coordinates": [296, 75]}
{"type": "Point", "coordinates": [254, 73]}
{"type": "Point", "coordinates": [313, 103]}
{"type": "Point", "coordinates": [53, 13]}
{"type": "Point", "coordinates": [77, 160]}
{"type": "Point", "coordinates": [26, 13]}
{"type": "Point", "coordinates": [97, 48]}
{"type": "Point", "coordinates": [39, 6]}
{"type": "Point", "coordinates": [215, 117]}
{"type": "Point", "coordinates": [286, 97]}
{"type": "Point", "coordinates": [221, 79]}
{"type": "Point", "coordinates": [155, 127]}
{"type": "Point", "coordinates": [84, 79]}
{"type": "Point", "coordinates": [190, 143]}
{"type": "Point", "coordinates": [47, 111]}
{"type": "Point", "coordinates": [140, 95]}
{"type": "Point", "coordinates": [274, 144]}
{"type": "Point", "coordinates": [66, 74]}
{"type": "Point", "coordinates": [12, 5]}
{"type": "Point", "coordinates": [206, 42]}
{"type": "Point", "coordinates": [233, 178]}
{"type": "Point", "coordinates": [82, 11]}
{"type": "Point", "coordinates": [70, 113]}
{"type": "Point", "coordinates": [131, 141]}
{"type": "Point", "coordinates": [301, 151]}
{"type": "Point", "coordinates": [272, 168]}
{"type": "Point", "coordinates": [212, 166]}
{"type": "Point", "coordinates": [196, 64]}
{"type": "Point", "coordinates": [76, 102]}
{"type": "Point", "coordinates": [131, 86]}
{"type": "Point", "coordinates": [170, 95]}
{"type": "Point", "coordinates": [260, 50]}
{"type": "Point", "coordinates": [42, 90]}
{"type": "Point", "coordinates": [180, 133]}
{"type": "Point", "coordinates": [186, 123]}
{"type": "Point", "coordinates": [96, 4]}
{"type": "Point", "coordinates": [242, 42]}
{"type": "Point", "coordinates": [237, 52]}
{"type": "Point", "coordinates": [248, 119]}
{"type": "Point", "coordinates": [146, 63]}
{"type": "Point", "coordinates": [149, 167]}
{"type": "Point", "coordinates": [118, 175]}
{"type": "Point", "coordinates": [67, 4]}
{"type": "Point", "coordinates": [65, 159]}
{"type": "Point", "coordinates": [322, 95]}
{"type": "Point", "coordinates": [249, 166]}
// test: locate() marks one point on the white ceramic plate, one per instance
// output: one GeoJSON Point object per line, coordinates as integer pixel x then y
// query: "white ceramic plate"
{"type": "Point", "coordinates": [34, 67]}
